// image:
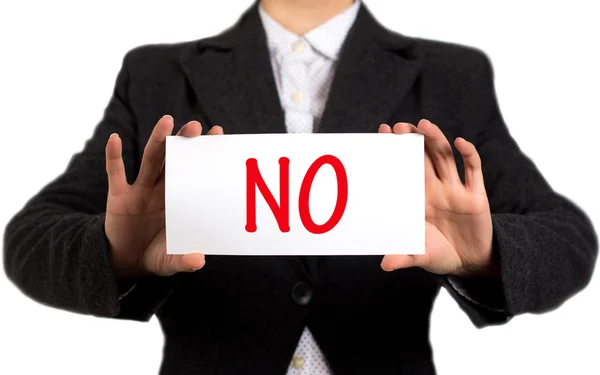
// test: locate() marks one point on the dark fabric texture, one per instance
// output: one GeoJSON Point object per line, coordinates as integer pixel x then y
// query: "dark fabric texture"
{"type": "Point", "coordinates": [238, 314]}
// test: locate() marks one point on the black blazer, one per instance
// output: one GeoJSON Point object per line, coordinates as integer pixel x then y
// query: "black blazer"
{"type": "Point", "coordinates": [245, 314]}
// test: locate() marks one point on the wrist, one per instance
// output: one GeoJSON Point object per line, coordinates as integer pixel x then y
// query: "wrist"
{"type": "Point", "coordinates": [125, 267]}
{"type": "Point", "coordinates": [487, 267]}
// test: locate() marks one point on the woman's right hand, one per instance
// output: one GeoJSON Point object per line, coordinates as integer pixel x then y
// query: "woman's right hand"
{"type": "Point", "coordinates": [135, 214]}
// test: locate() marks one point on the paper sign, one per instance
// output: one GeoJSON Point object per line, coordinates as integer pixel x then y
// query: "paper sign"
{"type": "Point", "coordinates": [295, 194]}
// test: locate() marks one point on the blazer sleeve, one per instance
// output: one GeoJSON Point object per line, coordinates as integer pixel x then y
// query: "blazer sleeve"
{"type": "Point", "coordinates": [55, 247]}
{"type": "Point", "coordinates": [545, 244]}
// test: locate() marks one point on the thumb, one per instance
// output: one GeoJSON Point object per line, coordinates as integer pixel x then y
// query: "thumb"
{"type": "Point", "coordinates": [184, 263]}
{"type": "Point", "coordinates": [393, 262]}
{"type": "Point", "coordinates": [158, 262]}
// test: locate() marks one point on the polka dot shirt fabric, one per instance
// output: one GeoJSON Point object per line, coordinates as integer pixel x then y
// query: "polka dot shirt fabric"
{"type": "Point", "coordinates": [308, 358]}
{"type": "Point", "coordinates": [303, 68]}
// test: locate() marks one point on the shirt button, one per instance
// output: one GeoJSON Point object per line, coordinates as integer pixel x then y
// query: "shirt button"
{"type": "Point", "coordinates": [297, 96]}
{"type": "Point", "coordinates": [297, 362]}
{"type": "Point", "coordinates": [302, 293]}
{"type": "Point", "coordinates": [298, 46]}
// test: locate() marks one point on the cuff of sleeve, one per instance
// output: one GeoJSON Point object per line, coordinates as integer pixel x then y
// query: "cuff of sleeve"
{"type": "Point", "coordinates": [132, 299]}
{"type": "Point", "coordinates": [520, 264]}
{"type": "Point", "coordinates": [486, 293]}
{"type": "Point", "coordinates": [125, 287]}
{"type": "Point", "coordinates": [487, 300]}
{"type": "Point", "coordinates": [479, 299]}
{"type": "Point", "coordinates": [103, 298]}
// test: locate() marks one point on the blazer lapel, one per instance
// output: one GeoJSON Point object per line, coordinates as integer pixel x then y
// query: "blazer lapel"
{"type": "Point", "coordinates": [233, 84]}
{"type": "Point", "coordinates": [376, 70]}
{"type": "Point", "coordinates": [232, 78]}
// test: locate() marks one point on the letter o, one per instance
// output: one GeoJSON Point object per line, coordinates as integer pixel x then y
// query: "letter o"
{"type": "Point", "coordinates": [342, 195]}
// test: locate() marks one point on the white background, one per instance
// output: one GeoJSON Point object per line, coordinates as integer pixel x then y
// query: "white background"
{"type": "Point", "coordinates": [58, 63]}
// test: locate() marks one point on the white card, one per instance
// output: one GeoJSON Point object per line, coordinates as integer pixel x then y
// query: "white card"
{"type": "Point", "coordinates": [380, 197]}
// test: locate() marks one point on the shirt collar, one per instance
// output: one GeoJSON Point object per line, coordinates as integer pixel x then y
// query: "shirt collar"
{"type": "Point", "coordinates": [327, 38]}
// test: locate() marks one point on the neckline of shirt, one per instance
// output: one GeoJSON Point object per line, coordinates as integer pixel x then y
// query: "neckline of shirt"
{"type": "Point", "coordinates": [327, 38]}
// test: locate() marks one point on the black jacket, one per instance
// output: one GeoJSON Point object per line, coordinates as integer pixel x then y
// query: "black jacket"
{"type": "Point", "coordinates": [245, 314]}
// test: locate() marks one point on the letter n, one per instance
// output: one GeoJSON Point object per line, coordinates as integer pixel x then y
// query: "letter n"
{"type": "Point", "coordinates": [255, 180]}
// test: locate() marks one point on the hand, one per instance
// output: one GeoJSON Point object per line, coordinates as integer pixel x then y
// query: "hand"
{"type": "Point", "coordinates": [135, 214]}
{"type": "Point", "coordinates": [458, 222]}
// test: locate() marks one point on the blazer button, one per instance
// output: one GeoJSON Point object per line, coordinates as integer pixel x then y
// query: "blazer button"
{"type": "Point", "coordinates": [302, 293]}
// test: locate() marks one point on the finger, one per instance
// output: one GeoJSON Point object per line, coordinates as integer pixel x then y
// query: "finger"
{"type": "Point", "coordinates": [473, 173]}
{"type": "Point", "coordinates": [384, 128]}
{"type": "Point", "coordinates": [440, 151]}
{"type": "Point", "coordinates": [430, 173]}
{"type": "Point", "coordinates": [394, 262]}
{"type": "Point", "coordinates": [191, 129]}
{"type": "Point", "coordinates": [404, 128]}
{"type": "Point", "coordinates": [154, 152]}
{"type": "Point", "coordinates": [185, 263]}
{"type": "Point", "coordinates": [215, 130]}
{"type": "Point", "coordinates": [157, 261]}
{"type": "Point", "coordinates": [115, 168]}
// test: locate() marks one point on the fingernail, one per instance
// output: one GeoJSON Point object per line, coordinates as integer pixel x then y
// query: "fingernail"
{"type": "Point", "coordinates": [386, 269]}
{"type": "Point", "coordinates": [168, 116]}
{"type": "Point", "coordinates": [215, 130]}
{"type": "Point", "coordinates": [113, 135]}
{"type": "Point", "coordinates": [196, 268]}
{"type": "Point", "coordinates": [401, 125]}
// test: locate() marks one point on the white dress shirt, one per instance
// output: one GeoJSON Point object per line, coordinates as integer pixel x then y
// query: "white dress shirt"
{"type": "Point", "coordinates": [304, 67]}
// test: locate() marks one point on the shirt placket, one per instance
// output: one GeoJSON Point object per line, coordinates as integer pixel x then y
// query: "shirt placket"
{"type": "Point", "coordinates": [296, 88]}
